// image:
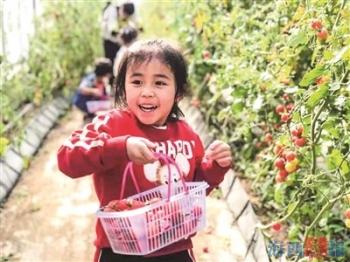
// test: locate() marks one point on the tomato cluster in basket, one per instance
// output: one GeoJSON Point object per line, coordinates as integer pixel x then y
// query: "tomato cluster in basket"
{"type": "Point", "coordinates": [160, 219]}
{"type": "Point", "coordinates": [125, 204]}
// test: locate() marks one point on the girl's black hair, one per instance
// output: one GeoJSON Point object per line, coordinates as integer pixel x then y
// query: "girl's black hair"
{"type": "Point", "coordinates": [143, 52]}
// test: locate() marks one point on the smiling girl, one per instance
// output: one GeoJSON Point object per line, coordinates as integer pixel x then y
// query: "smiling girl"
{"type": "Point", "coordinates": [151, 80]}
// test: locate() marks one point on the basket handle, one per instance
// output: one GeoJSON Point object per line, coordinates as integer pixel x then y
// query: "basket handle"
{"type": "Point", "coordinates": [128, 169]}
{"type": "Point", "coordinates": [168, 160]}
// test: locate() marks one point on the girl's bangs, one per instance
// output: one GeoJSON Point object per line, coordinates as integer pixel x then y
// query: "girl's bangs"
{"type": "Point", "coordinates": [144, 57]}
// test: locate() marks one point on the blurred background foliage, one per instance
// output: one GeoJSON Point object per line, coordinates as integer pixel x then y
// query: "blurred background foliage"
{"type": "Point", "coordinates": [66, 40]}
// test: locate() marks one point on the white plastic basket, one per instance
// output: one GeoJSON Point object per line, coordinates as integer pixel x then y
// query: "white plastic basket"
{"type": "Point", "coordinates": [98, 105]}
{"type": "Point", "coordinates": [147, 229]}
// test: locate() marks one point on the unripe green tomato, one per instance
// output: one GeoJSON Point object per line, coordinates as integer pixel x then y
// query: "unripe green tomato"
{"type": "Point", "coordinates": [293, 232]}
{"type": "Point", "coordinates": [347, 197]}
{"type": "Point", "coordinates": [347, 223]}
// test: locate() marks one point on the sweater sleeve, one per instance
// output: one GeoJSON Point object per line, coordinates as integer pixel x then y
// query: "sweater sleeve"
{"type": "Point", "coordinates": [92, 149]}
{"type": "Point", "coordinates": [212, 174]}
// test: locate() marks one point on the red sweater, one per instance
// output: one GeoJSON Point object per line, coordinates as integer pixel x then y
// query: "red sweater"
{"type": "Point", "coordinates": [100, 149]}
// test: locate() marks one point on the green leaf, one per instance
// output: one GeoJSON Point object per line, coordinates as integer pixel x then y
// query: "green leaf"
{"type": "Point", "coordinates": [293, 232]}
{"type": "Point", "coordinates": [292, 206]}
{"type": "Point", "coordinates": [335, 159]}
{"type": "Point", "coordinates": [298, 39]}
{"type": "Point", "coordinates": [316, 96]}
{"type": "Point", "coordinates": [306, 120]}
{"type": "Point", "coordinates": [334, 132]}
{"type": "Point", "coordinates": [345, 170]}
{"type": "Point", "coordinates": [223, 113]}
{"type": "Point", "coordinates": [279, 194]}
{"type": "Point", "coordinates": [284, 139]}
{"type": "Point", "coordinates": [237, 107]}
{"type": "Point", "coordinates": [311, 76]}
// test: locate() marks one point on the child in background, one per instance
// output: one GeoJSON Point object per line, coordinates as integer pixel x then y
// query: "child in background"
{"type": "Point", "coordinates": [93, 86]}
{"type": "Point", "coordinates": [151, 80]}
{"type": "Point", "coordinates": [114, 18]}
{"type": "Point", "coordinates": [128, 36]}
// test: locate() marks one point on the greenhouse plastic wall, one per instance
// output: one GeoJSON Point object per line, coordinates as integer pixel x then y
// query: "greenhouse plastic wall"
{"type": "Point", "coordinates": [17, 26]}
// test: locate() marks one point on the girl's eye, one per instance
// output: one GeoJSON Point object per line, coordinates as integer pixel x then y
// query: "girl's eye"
{"type": "Point", "coordinates": [136, 82]}
{"type": "Point", "coordinates": [160, 83]}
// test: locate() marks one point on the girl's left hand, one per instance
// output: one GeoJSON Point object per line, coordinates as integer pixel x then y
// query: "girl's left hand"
{"type": "Point", "coordinates": [220, 152]}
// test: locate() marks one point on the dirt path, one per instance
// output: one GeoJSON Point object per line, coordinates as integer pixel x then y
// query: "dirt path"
{"type": "Point", "coordinates": [50, 217]}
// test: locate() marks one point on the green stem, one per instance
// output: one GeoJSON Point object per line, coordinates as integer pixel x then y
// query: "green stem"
{"type": "Point", "coordinates": [344, 158]}
{"type": "Point", "coordinates": [338, 15]}
{"type": "Point", "coordinates": [317, 218]}
{"type": "Point", "coordinates": [313, 139]}
{"type": "Point", "coordinates": [326, 207]}
{"type": "Point", "coordinates": [319, 131]}
{"type": "Point", "coordinates": [285, 217]}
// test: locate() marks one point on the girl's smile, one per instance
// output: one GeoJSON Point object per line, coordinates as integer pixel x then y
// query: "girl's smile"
{"type": "Point", "coordinates": [150, 91]}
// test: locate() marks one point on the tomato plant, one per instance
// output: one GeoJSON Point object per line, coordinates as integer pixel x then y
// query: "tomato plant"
{"type": "Point", "coordinates": [272, 79]}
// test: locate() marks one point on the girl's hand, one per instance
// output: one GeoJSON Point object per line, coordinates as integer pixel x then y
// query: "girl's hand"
{"type": "Point", "coordinates": [139, 150]}
{"type": "Point", "coordinates": [220, 152]}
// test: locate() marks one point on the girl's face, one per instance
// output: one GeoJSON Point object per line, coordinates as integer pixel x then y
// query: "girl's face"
{"type": "Point", "coordinates": [150, 91]}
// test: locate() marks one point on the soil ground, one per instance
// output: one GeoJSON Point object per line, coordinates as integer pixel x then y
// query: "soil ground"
{"type": "Point", "coordinates": [50, 217]}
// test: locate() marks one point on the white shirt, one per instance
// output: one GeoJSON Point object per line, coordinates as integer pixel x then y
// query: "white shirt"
{"type": "Point", "coordinates": [110, 22]}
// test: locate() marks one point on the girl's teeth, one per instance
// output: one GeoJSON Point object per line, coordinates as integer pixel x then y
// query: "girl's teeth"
{"type": "Point", "coordinates": [148, 108]}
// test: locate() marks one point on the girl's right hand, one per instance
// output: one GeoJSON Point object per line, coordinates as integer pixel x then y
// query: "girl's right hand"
{"type": "Point", "coordinates": [139, 150]}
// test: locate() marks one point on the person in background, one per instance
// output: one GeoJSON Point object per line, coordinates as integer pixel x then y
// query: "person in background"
{"type": "Point", "coordinates": [128, 35]}
{"type": "Point", "coordinates": [93, 87]}
{"type": "Point", "coordinates": [114, 18]}
{"type": "Point", "coordinates": [151, 80]}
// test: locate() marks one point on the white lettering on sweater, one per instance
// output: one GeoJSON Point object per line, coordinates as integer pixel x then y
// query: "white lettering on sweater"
{"type": "Point", "coordinates": [172, 148]}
